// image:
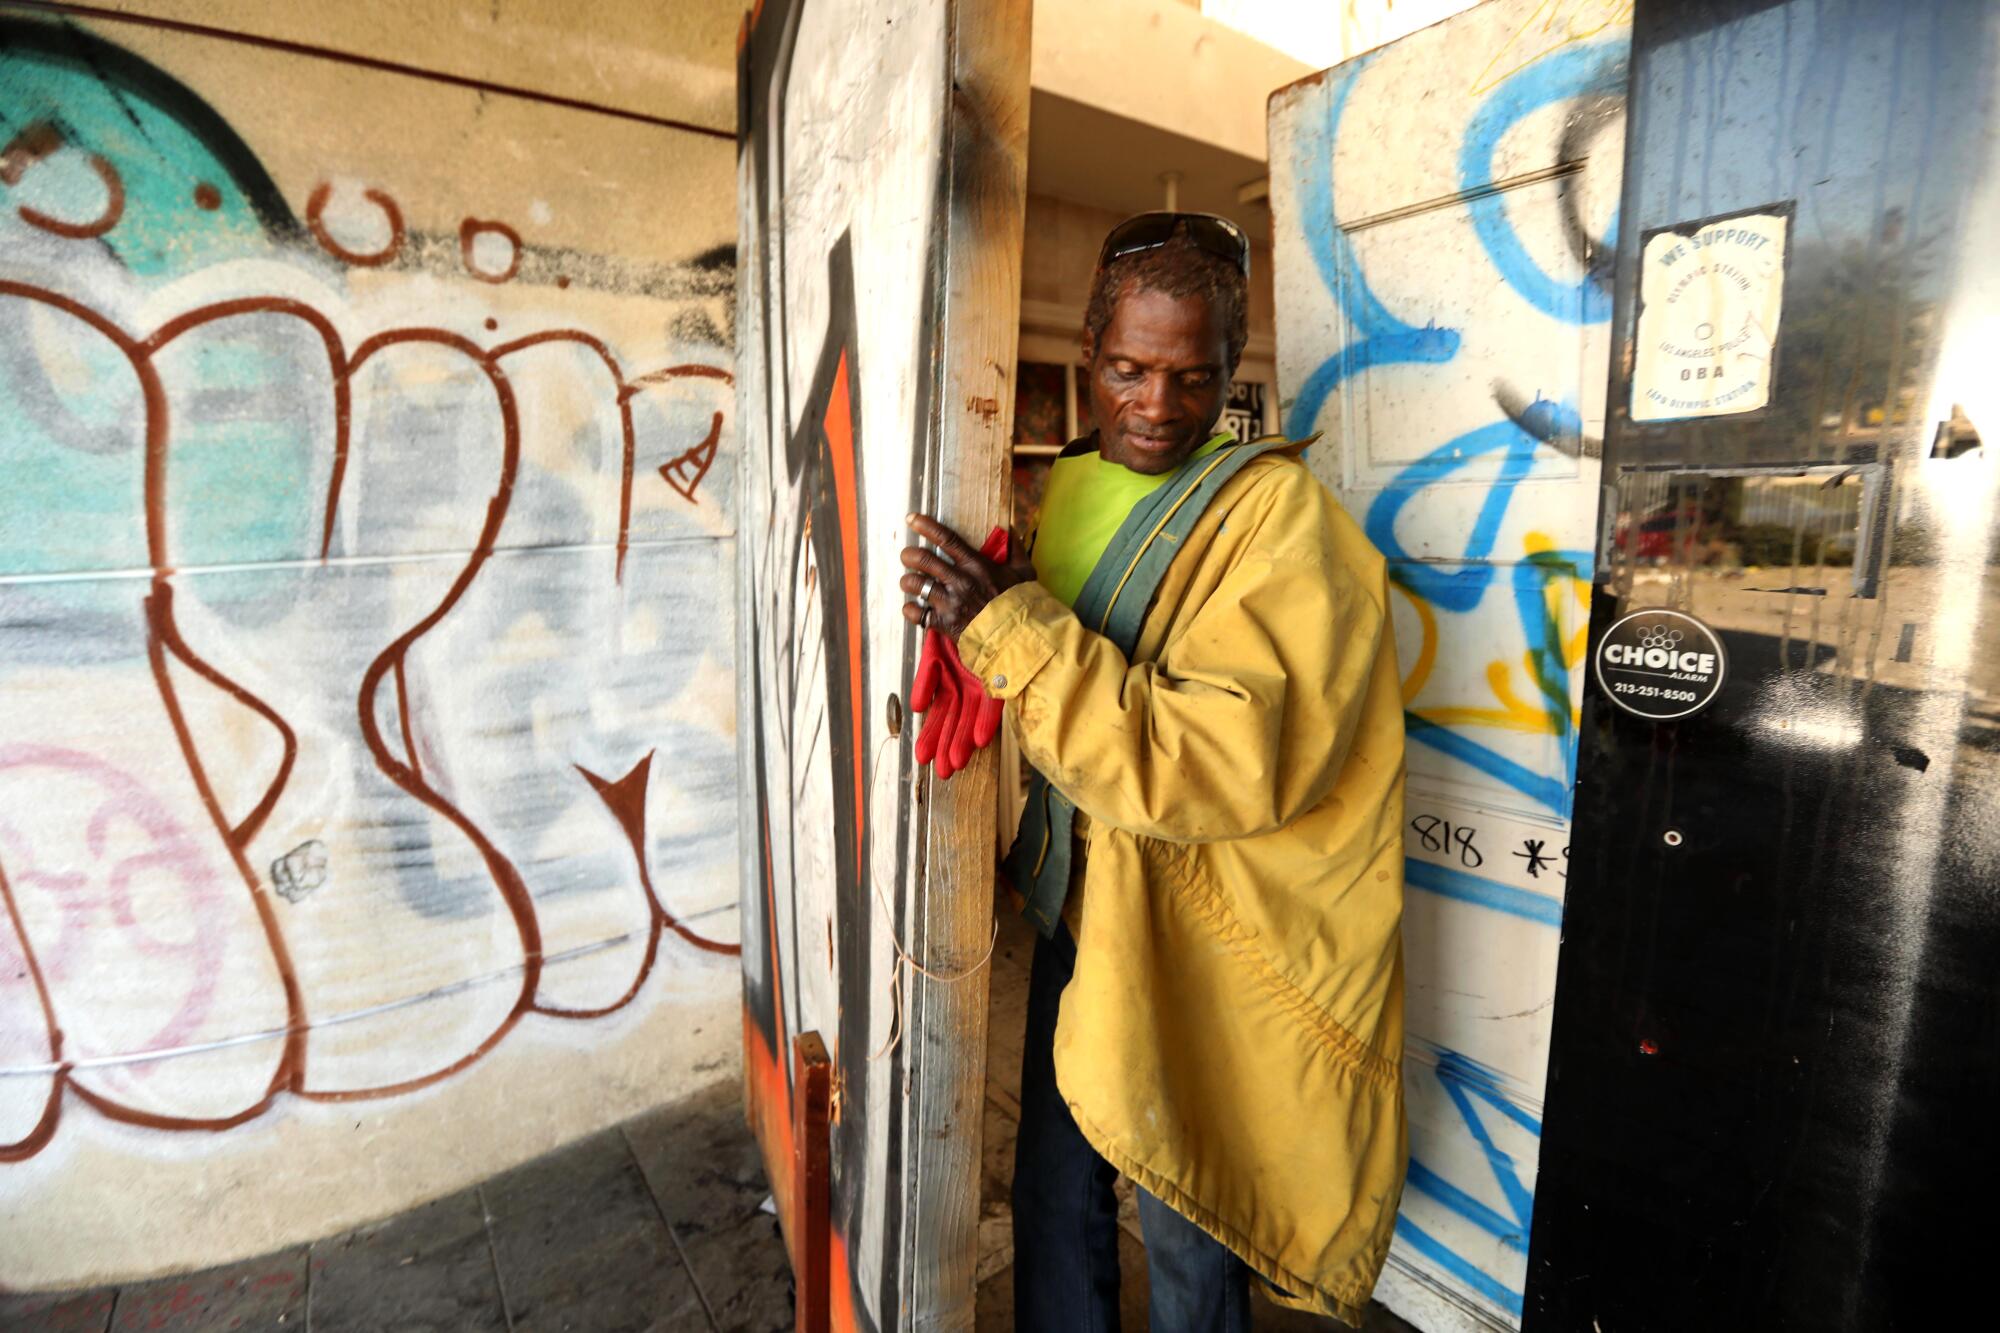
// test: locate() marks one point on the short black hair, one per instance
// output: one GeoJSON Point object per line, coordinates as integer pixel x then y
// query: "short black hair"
{"type": "Point", "coordinates": [1180, 268]}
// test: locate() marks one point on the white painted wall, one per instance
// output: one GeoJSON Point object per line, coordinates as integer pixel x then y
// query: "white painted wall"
{"type": "Point", "coordinates": [1443, 208]}
{"type": "Point", "coordinates": [367, 764]}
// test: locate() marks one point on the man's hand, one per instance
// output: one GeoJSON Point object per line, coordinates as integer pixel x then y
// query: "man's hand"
{"type": "Point", "coordinates": [954, 582]}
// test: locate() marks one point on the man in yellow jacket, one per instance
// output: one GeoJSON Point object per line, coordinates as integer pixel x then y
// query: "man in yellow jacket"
{"type": "Point", "coordinates": [1200, 668]}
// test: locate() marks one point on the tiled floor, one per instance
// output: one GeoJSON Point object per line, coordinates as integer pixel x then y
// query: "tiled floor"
{"type": "Point", "coordinates": [654, 1224]}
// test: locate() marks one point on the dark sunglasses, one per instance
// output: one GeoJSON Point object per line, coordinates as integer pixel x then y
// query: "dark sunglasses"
{"type": "Point", "coordinates": [1149, 231]}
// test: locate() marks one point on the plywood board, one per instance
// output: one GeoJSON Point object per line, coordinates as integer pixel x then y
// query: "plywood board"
{"type": "Point", "coordinates": [882, 194]}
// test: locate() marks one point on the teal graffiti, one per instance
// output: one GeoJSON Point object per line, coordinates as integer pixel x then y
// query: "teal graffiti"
{"type": "Point", "coordinates": [195, 197]}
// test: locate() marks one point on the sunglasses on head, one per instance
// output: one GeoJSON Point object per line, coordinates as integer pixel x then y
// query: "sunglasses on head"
{"type": "Point", "coordinates": [1149, 231]}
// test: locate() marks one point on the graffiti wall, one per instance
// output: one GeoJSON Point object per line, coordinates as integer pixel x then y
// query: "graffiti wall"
{"type": "Point", "coordinates": [367, 760]}
{"type": "Point", "coordinates": [882, 179]}
{"type": "Point", "coordinates": [1445, 211]}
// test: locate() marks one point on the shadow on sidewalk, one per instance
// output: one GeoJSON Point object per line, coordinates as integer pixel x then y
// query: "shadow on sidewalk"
{"type": "Point", "coordinates": [652, 1224]}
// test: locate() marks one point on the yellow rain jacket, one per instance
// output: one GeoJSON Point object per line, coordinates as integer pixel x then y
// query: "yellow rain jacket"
{"type": "Point", "coordinates": [1232, 1038]}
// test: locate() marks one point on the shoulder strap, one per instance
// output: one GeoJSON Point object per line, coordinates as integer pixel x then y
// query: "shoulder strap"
{"type": "Point", "coordinates": [1120, 590]}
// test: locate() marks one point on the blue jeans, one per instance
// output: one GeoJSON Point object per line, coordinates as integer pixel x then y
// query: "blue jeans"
{"type": "Point", "coordinates": [1066, 1216]}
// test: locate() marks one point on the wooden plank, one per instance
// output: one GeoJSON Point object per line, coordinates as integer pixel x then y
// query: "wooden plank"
{"type": "Point", "coordinates": [812, 1174]}
{"type": "Point", "coordinates": [985, 200]}
{"type": "Point", "coordinates": [882, 195]}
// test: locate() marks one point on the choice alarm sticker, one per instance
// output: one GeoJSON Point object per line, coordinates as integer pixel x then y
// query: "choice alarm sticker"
{"type": "Point", "coordinates": [1660, 664]}
{"type": "Point", "coordinates": [1710, 297]}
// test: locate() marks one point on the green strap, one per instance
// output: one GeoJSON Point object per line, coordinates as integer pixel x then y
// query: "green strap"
{"type": "Point", "coordinates": [1114, 603]}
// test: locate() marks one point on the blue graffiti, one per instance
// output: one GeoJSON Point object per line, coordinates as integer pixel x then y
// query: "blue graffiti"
{"type": "Point", "coordinates": [1462, 588]}
{"type": "Point", "coordinates": [1552, 422]}
{"type": "Point", "coordinates": [1486, 1217]}
{"type": "Point", "coordinates": [1449, 882]}
{"type": "Point", "coordinates": [1459, 589]}
{"type": "Point", "coordinates": [1579, 71]}
{"type": "Point", "coordinates": [162, 140]}
{"type": "Point", "coordinates": [1466, 1081]}
{"type": "Point", "coordinates": [1546, 660]}
{"type": "Point", "coordinates": [1461, 1268]}
{"type": "Point", "coordinates": [1381, 338]}
{"type": "Point", "coordinates": [70, 451]}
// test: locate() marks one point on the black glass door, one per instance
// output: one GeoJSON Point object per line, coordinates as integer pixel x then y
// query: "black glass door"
{"type": "Point", "coordinates": [1773, 1079]}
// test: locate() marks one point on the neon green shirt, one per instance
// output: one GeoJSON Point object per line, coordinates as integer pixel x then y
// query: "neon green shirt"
{"type": "Point", "coordinates": [1086, 499]}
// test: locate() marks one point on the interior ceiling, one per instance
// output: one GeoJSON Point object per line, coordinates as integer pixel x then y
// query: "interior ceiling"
{"type": "Point", "coordinates": [1091, 156]}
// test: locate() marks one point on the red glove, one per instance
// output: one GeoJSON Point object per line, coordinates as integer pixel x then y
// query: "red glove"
{"type": "Point", "coordinates": [959, 717]}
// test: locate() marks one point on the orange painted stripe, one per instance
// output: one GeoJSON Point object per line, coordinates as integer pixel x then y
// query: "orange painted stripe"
{"type": "Point", "coordinates": [770, 1095]}
{"type": "Point", "coordinates": [839, 425]}
{"type": "Point", "coordinates": [840, 1280]}
{"type": "Point", "coordinates": [771, 1117]}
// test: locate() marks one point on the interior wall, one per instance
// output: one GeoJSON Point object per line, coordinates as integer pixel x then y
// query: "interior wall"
{"type": "Point", "coordinates": [1327, 34]}
{"type": "Point", "coordinates": [367, 761]}
{"type": "Point", "coordinates": [1109, 54]}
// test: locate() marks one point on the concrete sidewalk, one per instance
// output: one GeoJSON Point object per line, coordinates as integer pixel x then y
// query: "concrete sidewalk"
{"type": "Point", "coordinates": [653, 1224]}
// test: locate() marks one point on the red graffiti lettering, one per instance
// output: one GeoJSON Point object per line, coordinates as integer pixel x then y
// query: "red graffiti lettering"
{"type": "Point", "coordinates": [469, 232]}
{"type": "Point", "coordinates": [624, 798]}
{"type": "Point", "coordinates": [388, 250]}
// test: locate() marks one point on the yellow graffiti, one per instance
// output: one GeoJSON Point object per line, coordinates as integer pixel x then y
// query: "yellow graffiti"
{"type": "Point", "coordinates": [1427, 651]}
{"type": "Point", "coordinates": [1584, 20]}
{"type": "Point", "coordinates": [1514, 713]}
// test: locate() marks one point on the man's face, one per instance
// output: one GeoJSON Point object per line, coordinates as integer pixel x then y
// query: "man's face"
{"type": "Point", "coordinates": [1158, 379]}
